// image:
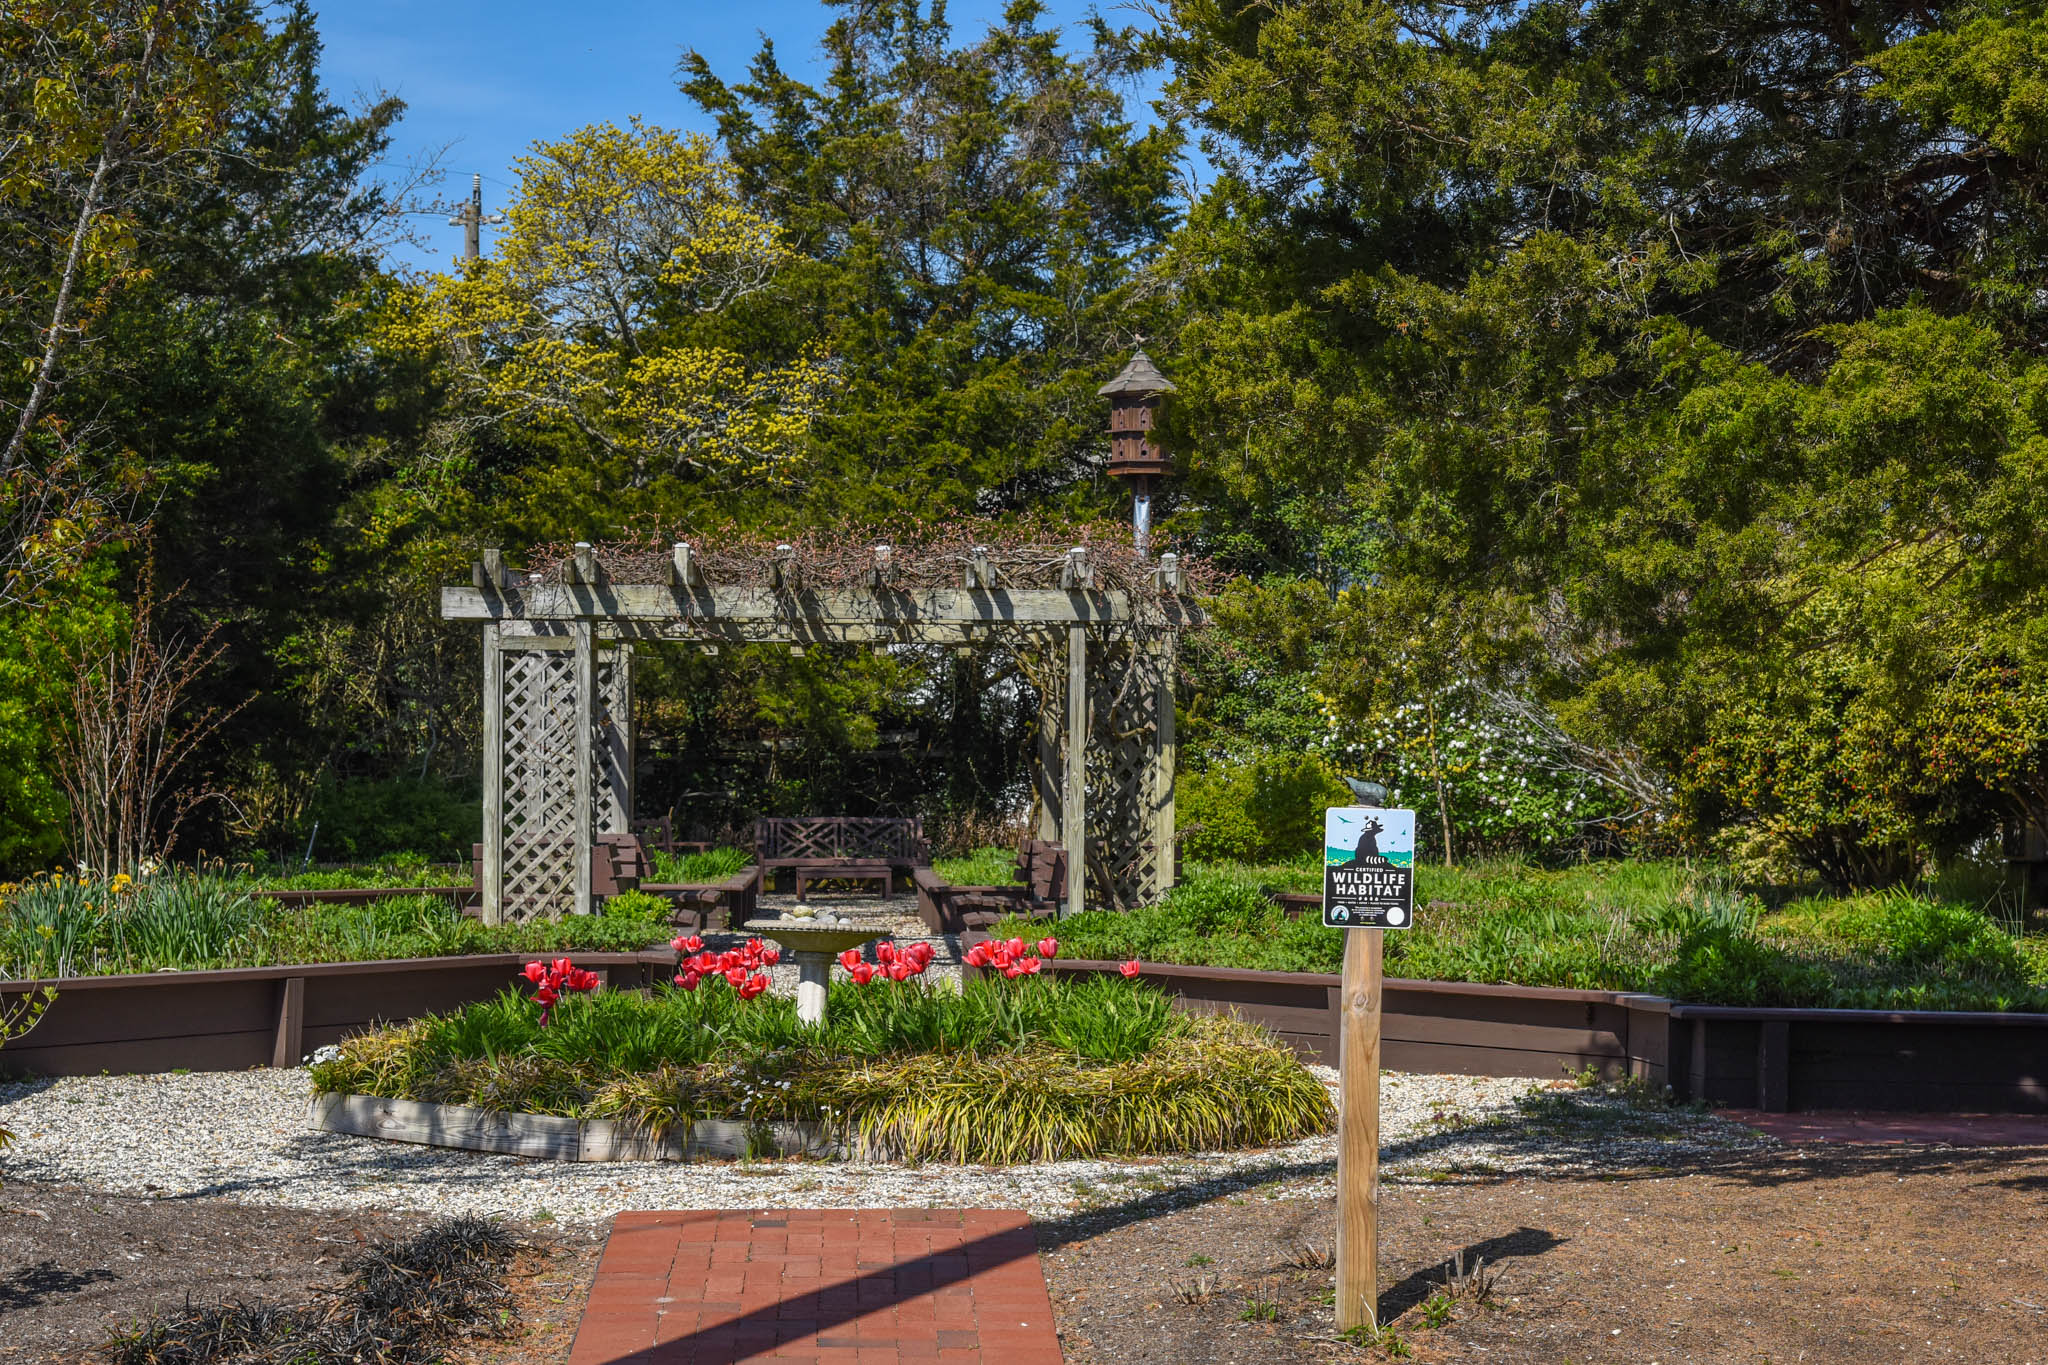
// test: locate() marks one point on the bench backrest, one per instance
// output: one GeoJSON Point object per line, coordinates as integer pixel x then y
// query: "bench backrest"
{"type": "Point", "coordinates": [880, 837]}
{"type": "Point", "coordinates": [1042, 866]}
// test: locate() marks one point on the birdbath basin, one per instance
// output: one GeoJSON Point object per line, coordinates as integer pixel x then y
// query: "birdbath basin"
{"type": "Point", "coordinates": [814, 946]}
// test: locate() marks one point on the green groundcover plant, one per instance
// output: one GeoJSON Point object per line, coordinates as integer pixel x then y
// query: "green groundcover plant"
{"type": "Point", "coordinates": [1637, 926]}
{"type": "Point", "coordinates": [999, 1071]}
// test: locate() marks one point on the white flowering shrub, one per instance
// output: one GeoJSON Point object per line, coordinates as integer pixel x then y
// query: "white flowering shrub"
{"type": "Point", "coordinates": [1507, 789]}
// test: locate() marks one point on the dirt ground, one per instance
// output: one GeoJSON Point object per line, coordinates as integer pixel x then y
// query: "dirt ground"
{"type": "Point", "coordinates": [1848, 1255]}
{"type": "Point", "coordinates": [1821, 1256]}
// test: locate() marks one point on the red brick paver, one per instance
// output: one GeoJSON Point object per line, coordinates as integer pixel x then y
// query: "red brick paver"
{"type": "Point", "coordinates": [1855, 1128]}
{"type": "Point", "coordinates": [858, 1286]}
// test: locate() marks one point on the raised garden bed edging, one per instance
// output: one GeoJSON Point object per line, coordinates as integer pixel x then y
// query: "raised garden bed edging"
{"type": "Point", "coordinates": [1777, 1060]}
{"type": "Point", "coordinates": [240, 1017]}
{"type": "Point", "coordinates": [548, 1137]}
{"type": "Point", "coordinates": [1771, 1059]}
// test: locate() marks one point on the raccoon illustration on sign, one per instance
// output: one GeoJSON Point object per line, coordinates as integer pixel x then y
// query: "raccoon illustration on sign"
{"type": "Point", "coordinates": [1368, 867]}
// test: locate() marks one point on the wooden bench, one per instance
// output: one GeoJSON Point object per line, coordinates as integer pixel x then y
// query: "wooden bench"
{"type": "Point", "coordinates": [785, 844]}
{"type": "Point", "coordinates": [808, 876]}
{"type": "Point", "coordinates": [1041, 883]}
{"type": "Point", "coordinates": [699, 905]}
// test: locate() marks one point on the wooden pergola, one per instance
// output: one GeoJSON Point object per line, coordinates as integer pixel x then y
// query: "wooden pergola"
{"type": "Point", "coordinates": [558, 698]}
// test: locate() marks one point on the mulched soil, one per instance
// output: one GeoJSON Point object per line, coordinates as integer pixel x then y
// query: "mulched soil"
{"type": "Point", "coordinates": [96, 1263]}
{"type": "Point", "coordinates": [1825, 1256]}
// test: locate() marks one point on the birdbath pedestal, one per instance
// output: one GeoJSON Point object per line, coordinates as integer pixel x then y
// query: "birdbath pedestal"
{"type": "Point", "coordinates": [814, 946]}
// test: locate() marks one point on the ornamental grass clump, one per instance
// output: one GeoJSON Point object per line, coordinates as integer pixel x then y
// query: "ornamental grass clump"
{"type": "Point", "coordinates": [1005, 1069]}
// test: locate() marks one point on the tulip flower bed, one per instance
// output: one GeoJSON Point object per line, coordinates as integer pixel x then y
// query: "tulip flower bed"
{"type": "Point", "coordinates": [1009, 1068]}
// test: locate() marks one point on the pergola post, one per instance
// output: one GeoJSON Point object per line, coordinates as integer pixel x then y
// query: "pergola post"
{"type": "Point", "coordinates": [1074, 799]}
{"type": "Point", "coordinates": [492, 874]}
{"type": "Point", "coordinates": [585, 636]}
{"type": "Point", "coordinates": [1164, 755]}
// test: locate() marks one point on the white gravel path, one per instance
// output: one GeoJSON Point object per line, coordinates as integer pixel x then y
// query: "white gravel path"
{"type": "Point", "coordinates": [243, 1136]}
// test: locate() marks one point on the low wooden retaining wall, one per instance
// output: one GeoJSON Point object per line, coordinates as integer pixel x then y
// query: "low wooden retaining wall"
{"type": "Point", "coordinates": [1772, 1059]}
{"type": "Point", "coordinates": [1768, 1059]}
{"type": "Point", "coordinates": [263, 1016]}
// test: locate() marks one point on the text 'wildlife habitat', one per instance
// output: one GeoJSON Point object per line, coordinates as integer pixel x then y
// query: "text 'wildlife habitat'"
{"type": "Point", "coordinates": [1368, 867]}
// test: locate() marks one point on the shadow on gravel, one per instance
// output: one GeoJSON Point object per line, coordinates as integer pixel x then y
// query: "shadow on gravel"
{"type": "Point", "coordinates": [31, 1285]}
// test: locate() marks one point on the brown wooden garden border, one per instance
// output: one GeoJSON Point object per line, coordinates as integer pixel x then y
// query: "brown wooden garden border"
{"type": "Point", "coordinates": [1774, 1059]}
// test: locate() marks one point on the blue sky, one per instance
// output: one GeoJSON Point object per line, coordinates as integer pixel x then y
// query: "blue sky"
{"type": "Point", "coordinates": [491, 78]}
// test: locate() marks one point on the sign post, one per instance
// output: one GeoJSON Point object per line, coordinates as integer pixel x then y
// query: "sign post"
{"type": "Point", "coordinates": [1368, 888]}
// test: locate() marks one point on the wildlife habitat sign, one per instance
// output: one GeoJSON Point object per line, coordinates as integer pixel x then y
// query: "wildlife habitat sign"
{"type": "Point", "coordinates": [1368, 868]}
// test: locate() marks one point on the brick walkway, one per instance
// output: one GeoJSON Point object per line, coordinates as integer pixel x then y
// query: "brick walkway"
{"type": "Point", "coordinates": [859, 1286]}
{"type": "Point", "coordinates": [1860, 1129]}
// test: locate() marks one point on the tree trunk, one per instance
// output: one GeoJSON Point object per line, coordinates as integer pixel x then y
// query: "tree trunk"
{"type": "Point", "coordinates": [46, 372]}
{"type": "Point", "coordinates": [1436, 768]}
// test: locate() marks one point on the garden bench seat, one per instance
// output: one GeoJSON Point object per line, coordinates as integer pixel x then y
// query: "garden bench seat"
{"type": "Point", "coordinates": [1041, 874]}
{"type": "Point", "coordinates": [784, 844]}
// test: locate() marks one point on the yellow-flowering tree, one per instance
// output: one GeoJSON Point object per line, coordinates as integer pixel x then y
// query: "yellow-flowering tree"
{"type": "Point", "coordinates": [617, 238]}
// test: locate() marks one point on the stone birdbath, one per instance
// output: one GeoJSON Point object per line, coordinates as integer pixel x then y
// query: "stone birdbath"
{"type": "Point", "coordinates": [815, 945]}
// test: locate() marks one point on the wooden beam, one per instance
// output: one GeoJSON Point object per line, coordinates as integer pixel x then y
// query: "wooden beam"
{"type": "Point", "coordinates": [287, 1048]}
{"type": "Point", "coordinates": [1074, 800]}
{"type": "Point", "coordinates": [1358, 1132]}
{"type": "Point", "coordinates": [1077, 574]}
{"type": "Point", "coordinates": [1165, 753]}
{"type": "Point", "coordinates": [871, 607]}
{"type": "Point", "coordinates": [683, 571]}
{"type": "Point", "coordinates": [492, 874]}
{"type": "Point", "coordinates": [583, 569]}
{"type": "Point", "coordinates": [586, 758]}
{"type": "Point", "coordinates": [980, 572]}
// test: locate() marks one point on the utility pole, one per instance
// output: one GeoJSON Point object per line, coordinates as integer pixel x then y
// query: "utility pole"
{"type": "Point", "coordinates": [471, 218]}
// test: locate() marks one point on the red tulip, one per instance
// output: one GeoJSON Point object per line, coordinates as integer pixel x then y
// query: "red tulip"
{"type": "Point", "coordinates": [861, 972]}
{"type": "Point", "coordinates": [848, 958]}
{"type": "Point", "coordinates": [977, 956]}
{"type": "Point", "coordinates": [563, 966]}
{"type": "Point", "coordinates": [922, 954]}
{"type": "Point", "coordinates": [1013, 971]}
{"type": "Point", "coordinates": [1030, 966]}
{"type": "Point", "coordinates": [885, 952]}
{"type": "Point", "coordinates": [1130, 968]}
{"type": "Point", "coordinates": [688, 981]}
{"type": "Point", "coordinates": [753, 987]}
{"type": "Point", "coordinates": [536, 972]}
{"type": "Point", "coordinates": [900, 971]}
{"type": "Point", "coordinates": [689, 943]}
{"type": "Point", "coordinates": [1016, 947]}
{"type": "Point", "coordinates": [1048, 947]}
{"type": "Point", "coordinates": [736, 976]}
{"type": "Point", "coordinates": [771, 956]}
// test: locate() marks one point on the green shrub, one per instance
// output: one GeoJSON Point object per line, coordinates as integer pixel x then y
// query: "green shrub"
{"type": "Point", "coordinates": [370, 818]}
{"type": "Point", "coordinates": [1268, 809]}
{"type": "Point", "coordinates": [711, 865]}
{"type": "Point", "coordinates": [998, 1071]}
{"type": "Point", "coordinates": [1719, 964]}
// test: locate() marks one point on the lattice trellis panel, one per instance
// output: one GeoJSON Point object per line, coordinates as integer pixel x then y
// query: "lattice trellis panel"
{"type": "Point", "coordinates": [613, 741]}
{"type": "Point", "coordinates": [538, 773]}
{"type": "Point", "coordinates": [539, 782]}
{"type": "Point", "coordinates": [1128, 777]}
